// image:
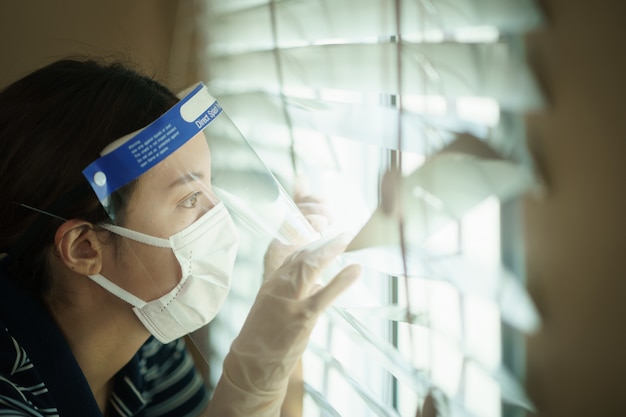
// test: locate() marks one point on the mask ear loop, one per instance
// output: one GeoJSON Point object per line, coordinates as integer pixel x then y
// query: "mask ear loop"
{"type": "Point", "coordinates": [138, 236]}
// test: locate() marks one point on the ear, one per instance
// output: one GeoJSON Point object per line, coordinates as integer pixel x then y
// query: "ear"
{"type": "Point", "coordinates": [78, 247]}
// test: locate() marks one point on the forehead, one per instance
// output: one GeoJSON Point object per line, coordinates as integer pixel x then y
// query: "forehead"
{"type": "Point", "coordinates": [192, 158]}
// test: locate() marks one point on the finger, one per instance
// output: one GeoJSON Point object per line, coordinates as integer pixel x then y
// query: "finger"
{"type": "Point", "coordinates": [318, 254]}
{"type": "Point", "coordinates": [314, 207]}
{"type": "Point", "coordinates": [344, 279]}
{"type": "Point", "coordinates": [318, 222]}
{"type": "Point", "coordinates": [314, 289]}
{"type": "Point", "coordinates": [302, 268]}
{"type": "Point", "coordinates": [318, 215]}
{"type": "Point", "coordinates": [275, 255]}
{"type": "Point", "coordinates": [309, 198]}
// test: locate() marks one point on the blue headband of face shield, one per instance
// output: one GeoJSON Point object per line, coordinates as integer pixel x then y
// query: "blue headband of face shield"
{"type": "Point", "coordinates": [132, 155]}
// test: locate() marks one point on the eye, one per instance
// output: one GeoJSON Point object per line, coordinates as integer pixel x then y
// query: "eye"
{"type": "Point", "coordinates": [191, 201]}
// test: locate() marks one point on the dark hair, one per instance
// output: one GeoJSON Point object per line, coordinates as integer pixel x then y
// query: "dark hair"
{"type": "Point", "coordinates": [53, 123]}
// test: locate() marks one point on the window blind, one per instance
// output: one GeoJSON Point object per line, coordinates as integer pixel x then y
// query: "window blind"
{"type": "Point", "coordinates": [406, 115]}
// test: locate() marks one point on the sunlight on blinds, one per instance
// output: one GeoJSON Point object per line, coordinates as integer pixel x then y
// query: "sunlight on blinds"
{"type": "Point", "coordinates": [406, 116]}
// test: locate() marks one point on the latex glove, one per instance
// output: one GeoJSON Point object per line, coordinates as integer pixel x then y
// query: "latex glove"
{"type": "Point", "coordinates": [315, 210]}
{"type": "Point", "coordinates": [276, 332]}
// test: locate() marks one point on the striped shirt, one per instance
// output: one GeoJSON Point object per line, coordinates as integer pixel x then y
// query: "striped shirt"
{"type": "Point", "coordinates": [39, 376]}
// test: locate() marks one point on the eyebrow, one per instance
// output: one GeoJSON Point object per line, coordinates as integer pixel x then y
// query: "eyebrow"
{"type": "Point", "coordinates": [187, 178]}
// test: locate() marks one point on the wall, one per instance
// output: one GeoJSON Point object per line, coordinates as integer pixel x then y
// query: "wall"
{"type": "Point", "coordinates": [575, 237]}
{"type": "Point", "coordinates": [34, 33]}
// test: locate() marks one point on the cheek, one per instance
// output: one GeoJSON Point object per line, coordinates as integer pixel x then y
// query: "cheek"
{"type": "Point", "coordinates": [153, 271]}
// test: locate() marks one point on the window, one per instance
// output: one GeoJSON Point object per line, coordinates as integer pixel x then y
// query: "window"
{"type": "Point", "coordinates": [406, 117]}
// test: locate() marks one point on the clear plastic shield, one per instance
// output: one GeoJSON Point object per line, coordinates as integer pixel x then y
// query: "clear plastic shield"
{"type": "Point", "coordinates": [172, 190]}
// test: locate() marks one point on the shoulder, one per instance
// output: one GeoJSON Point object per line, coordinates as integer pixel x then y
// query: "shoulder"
{"type": "Point", "coordinates": [21, 390]}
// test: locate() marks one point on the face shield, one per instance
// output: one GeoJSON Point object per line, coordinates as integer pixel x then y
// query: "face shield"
{"type": "Point", "coordinates": [170, 190]}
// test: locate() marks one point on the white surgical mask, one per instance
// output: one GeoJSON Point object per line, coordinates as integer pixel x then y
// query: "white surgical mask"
{"type": "Point", "coordinates": [206, 252]}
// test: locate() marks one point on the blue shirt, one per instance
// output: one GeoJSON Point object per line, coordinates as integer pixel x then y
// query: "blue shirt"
{"type": "Point", "coordinates": [39, 375]}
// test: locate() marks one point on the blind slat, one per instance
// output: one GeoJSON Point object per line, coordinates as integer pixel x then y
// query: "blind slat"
{"type": "Point", "coordinates": [511, 390]}
{"type": "Point", "coordinates": [302, 22]}
{"type": "Point", "coordinates": [261, 118]}
{"type": "Point", "coordinates": [430, 197]}
{"type": "Point", "coordinates": [449, 70]}
{"type": "Point", "coordinates": [378, 407]}
{"type": "Point", "coordinates": [417, 380]}
{"type": "Point", "coordinates": [385, 353]}
{"type": "Point", "coordinates": [493, 285]}
{"type": "Point", "coordinates": [325, 407]}
{"type": "Point", "coordinates": [262, 121]}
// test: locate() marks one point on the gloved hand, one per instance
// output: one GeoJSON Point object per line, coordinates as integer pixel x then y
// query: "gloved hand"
{"type": "Point", "coordinates": [315, 210]}
{"type": "Point", "coordinates": [276, 331]}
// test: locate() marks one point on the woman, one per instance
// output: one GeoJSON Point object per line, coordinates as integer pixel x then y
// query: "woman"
{"type": "Point", "coordinates": [96, 290]}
